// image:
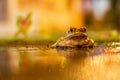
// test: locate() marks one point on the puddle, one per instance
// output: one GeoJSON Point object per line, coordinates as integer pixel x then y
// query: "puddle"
{"type": "Point", "coordinates": [43, 63]}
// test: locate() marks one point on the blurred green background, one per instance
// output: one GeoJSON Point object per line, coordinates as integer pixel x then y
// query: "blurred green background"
{"type": "Point", "coordinates": [50, 19]}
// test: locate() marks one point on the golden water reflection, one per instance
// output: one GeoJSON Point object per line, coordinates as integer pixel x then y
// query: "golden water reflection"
{"type": "Point", "coordinates": [36, 63]}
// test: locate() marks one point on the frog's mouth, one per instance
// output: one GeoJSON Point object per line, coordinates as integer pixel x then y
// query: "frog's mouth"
{"type": "Point", "coordinates": [77, 35]}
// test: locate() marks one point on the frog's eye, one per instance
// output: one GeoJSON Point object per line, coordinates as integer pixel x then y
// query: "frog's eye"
{"type": "Point", "coordinates": [82, 29]}
{"type": "Point", "coordinates": [71, 30]}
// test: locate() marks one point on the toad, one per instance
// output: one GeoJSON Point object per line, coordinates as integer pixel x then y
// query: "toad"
{"type": "Point", "coordinates": [75, 38]}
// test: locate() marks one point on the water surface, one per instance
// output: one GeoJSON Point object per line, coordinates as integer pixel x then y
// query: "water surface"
{"type": "Point", "coordinates": [39, 62]}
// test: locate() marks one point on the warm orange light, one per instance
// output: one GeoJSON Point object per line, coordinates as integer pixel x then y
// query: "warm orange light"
{"type": "Point", "coordinates": [54, 15]}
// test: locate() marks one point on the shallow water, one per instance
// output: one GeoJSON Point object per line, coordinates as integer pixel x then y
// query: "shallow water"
{"type": "Point", "coordinates": [39, 62]}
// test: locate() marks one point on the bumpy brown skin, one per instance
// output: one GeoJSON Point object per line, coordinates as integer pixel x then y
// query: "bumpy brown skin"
{"type": "Point", "coordinates": [75, 38]}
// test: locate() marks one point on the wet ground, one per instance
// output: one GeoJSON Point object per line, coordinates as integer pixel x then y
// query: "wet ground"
{"type": "Point", "coordinates": [39, 62]}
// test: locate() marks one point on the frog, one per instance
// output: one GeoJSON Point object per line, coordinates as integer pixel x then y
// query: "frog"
{"type": "Point", "coordinates": [75, 38]}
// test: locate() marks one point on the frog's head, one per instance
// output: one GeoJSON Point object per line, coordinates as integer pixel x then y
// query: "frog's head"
{"type": "Point", "coordinates": [74, 30]}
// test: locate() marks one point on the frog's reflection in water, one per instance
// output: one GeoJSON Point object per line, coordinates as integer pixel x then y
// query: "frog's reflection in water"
{"type": "Point", "coordinates": [76, 53]}
{"type": "Point", "coordinates": [76, 62]}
